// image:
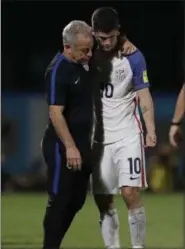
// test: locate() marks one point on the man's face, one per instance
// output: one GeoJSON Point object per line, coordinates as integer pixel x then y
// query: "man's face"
{"type": "Point", "coordinates": [107, 41]}
{"type": "Point", "coordinates": [82, 50]}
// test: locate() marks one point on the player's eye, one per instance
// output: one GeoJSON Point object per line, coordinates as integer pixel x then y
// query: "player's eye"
{"type": "Point", "coordinates": [105, 38]}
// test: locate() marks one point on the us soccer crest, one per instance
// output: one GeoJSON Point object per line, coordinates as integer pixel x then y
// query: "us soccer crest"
{"type": "Point", "coordinates": [120, 75]}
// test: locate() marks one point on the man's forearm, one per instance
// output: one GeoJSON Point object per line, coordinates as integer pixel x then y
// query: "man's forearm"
{"type": "Point", "coordinates": [147, 109]}
{"type": "Point", "coordinates": [180, 106]}
{"type": "Point", "coordinates": [61, 129]}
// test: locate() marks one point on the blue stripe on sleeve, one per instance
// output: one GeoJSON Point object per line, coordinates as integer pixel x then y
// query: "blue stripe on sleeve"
{"type": "Point", "coordinates": [53, 78]}
{"type": "Point", "coordinates": [139, 69]}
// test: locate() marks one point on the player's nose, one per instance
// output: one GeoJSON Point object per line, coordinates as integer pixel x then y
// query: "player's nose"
{"type": "Point", "coordinates": [107, 42]}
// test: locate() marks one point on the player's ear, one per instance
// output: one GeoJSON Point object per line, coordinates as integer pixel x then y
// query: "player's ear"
{"type": "Point", "coordinates": [118, 32]}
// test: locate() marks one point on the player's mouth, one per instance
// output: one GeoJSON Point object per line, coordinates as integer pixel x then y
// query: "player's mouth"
{"type": "Point", "coordinates": [107, 48]}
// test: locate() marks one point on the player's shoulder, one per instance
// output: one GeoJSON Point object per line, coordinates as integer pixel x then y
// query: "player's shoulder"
{"type": "Point", "coordinates": [136, 57]}
{"type": "Point", "coordinates": [136, 60]}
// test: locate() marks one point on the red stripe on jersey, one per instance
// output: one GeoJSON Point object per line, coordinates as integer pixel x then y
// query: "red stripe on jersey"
{"type": "Point", "coordinates": [141, 143]}
{"type": "Point", "coordinates": [142, 163]}
{"type": "Point", "coordinates": [138, 121]}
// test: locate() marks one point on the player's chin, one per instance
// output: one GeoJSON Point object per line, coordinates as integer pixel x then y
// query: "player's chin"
{"type": "Point", "coordinates": [107, 49]}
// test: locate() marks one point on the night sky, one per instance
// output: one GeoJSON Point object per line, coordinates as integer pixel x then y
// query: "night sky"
{"type": "Point", "coordinates": [31, 35]}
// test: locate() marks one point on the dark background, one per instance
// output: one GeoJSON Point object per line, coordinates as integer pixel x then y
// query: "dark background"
{"type": "Point", "coordinates": [31, 35]}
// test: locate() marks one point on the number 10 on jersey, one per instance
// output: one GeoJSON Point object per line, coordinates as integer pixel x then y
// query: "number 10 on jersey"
{"type": "Point", "coordinates": [109, 90]}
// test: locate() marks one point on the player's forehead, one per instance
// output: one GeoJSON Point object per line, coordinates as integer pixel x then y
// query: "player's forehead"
{"type": "Point", "coordinates": [106, 35]}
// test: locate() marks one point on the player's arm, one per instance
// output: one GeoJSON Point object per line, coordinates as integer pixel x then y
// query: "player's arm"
{"type": "Point", "coordinates": [178, 115]}
{"type": "Point", "coordinates": [180, 107]}
{"type": "Point", "coordinates": [57, 89]}
{"type": "Point", "coordinates": [147, 109]}
{"type": "Point", "coordinates": [141, 85]}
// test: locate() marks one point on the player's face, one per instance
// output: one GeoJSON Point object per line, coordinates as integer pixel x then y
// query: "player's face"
{"type": "Point", "coordinates": [107, 41]}
{"type": "Point", "coordinates": [82, 50]}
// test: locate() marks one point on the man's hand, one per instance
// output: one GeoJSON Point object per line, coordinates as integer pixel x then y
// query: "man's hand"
{"type": "Point", "coordinates": [128, 48]}
{"type": "Point", "coordinates": [151, 140]}
{"type": "Point", "coordinates": [74, 160]}
{"type": "Point", "coordinates": [174, 134]}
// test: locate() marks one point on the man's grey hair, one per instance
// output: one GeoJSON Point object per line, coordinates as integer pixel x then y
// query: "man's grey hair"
{"type": "Point", "coordinates": [73, 29]}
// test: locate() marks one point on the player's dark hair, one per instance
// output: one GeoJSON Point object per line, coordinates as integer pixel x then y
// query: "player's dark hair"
{"type": "Point", "coordinates": [105, 19]}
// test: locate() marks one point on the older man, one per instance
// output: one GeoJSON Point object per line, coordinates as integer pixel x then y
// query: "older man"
{"type": "Point", "coordinates": [66, 142]}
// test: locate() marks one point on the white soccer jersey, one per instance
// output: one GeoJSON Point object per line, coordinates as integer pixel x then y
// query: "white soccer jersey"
{"type": "Point", "coordinates": [120, 113]}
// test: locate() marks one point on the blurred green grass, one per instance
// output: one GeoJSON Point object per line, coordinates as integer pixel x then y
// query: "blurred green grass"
{"type": "Point", "coordinates": [22, 215]}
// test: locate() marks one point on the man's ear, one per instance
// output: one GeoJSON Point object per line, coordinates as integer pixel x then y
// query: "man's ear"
{"type": "Point", "coordinates": [68, 48]}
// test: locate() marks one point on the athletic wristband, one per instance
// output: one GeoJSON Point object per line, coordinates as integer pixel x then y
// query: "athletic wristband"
{"type": "Point", "coordinates": [175, 123]}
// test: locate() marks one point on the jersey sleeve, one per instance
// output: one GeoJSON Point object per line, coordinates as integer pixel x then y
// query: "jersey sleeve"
{"type": "Point", "coordinates": [139, 69]}
{"type": "Point", "coordinates": [56, 86]}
